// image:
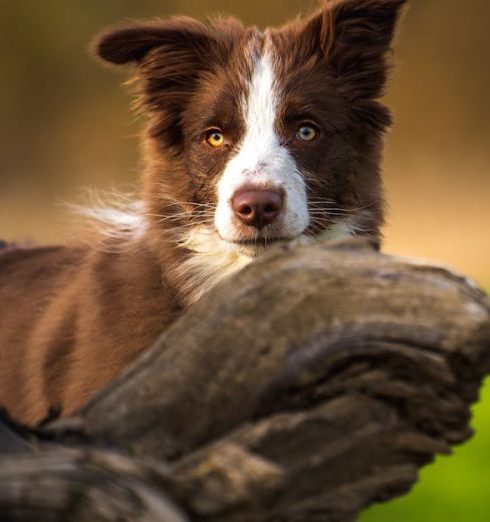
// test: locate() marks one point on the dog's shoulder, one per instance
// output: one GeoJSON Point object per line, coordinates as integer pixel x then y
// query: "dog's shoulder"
{"type": "Point", "coordinates": [20, 265]}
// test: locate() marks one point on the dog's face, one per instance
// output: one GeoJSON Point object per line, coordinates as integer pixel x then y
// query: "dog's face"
{"type": "Point", "coordinates": [259, 137]}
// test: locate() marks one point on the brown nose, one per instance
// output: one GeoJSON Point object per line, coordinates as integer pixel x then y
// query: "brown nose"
{"type": "Point", "coordinates": [257, 208]}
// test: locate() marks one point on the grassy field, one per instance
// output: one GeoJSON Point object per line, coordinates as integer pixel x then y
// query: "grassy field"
{"type": "Point", "coordinates": [455, 488]}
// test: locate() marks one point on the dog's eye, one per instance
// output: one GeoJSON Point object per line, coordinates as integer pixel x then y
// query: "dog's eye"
{"type": "Point", "coordinates": [306, 133]}
{"type": "Point", "coordinates": [215, 138]}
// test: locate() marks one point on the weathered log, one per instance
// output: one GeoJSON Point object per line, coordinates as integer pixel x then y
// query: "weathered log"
{"type": "Point", "coordinates": [68, 484]}
{"type": "Point", "coordinates": [313, 384]}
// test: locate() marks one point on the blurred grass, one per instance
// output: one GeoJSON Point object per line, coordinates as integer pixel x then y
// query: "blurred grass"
{"type": "Point", "coordinates": [454, 488]}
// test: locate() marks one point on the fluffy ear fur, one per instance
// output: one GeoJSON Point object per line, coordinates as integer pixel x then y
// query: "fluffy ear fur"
{"type": "Point", "coordinates": [132, 42]}
{"type": "Point", "coordinates": [355, 36]}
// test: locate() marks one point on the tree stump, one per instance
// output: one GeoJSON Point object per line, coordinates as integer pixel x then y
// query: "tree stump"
{"type": "Point", "coordinates": [314, 383]}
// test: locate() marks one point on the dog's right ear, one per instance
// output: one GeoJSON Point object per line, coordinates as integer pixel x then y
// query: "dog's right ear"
{"type": "Point", "coordinates": [132, 42]}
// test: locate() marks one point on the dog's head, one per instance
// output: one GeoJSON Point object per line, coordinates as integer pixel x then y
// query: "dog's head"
{"type": "Point", "coordinates": [257, 137]}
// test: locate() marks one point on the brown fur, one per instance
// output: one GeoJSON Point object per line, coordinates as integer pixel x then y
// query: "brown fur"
{"type": "Point", "coordinates": [72, 318]}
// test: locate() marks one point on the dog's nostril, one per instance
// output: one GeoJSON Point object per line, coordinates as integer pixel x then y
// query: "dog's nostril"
{"type": "Point", "coordinates": [257, 208]}
{"type": "Point", "coordinates": [246, 210]}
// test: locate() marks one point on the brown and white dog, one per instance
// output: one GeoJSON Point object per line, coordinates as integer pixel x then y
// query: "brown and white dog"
{"type": "Point", "coordinates": [253, 138]}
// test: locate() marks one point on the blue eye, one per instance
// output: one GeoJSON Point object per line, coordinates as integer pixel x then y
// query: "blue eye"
{"type": "Point", "coordinates": [306, 133]}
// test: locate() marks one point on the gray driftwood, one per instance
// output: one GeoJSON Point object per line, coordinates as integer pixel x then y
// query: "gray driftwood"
{"type": "Point", "coordinates": [316, 382]}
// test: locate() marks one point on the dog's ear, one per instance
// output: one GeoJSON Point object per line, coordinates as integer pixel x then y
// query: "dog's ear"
{"type": "Point", "coordinates": [355, 36]}
{"type": "Point", "coordinates": [132, 42]}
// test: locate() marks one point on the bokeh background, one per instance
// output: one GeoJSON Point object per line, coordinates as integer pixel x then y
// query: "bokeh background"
{"type": "Point", "coordinates": [65, 125]}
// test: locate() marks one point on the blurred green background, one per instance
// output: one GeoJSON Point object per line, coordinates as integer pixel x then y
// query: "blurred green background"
{"type": "Point", "coordinates": [65, 125]}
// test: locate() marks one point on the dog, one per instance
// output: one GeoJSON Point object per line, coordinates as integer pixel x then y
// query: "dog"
{"type": "Point", "coordinates": [252, 138]}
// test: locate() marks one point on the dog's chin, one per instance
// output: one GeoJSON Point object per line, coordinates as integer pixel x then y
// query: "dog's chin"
{"type": "Point", "coordinates": [256, 247]}
{"type": "Point", "coordinates": [209, 242]}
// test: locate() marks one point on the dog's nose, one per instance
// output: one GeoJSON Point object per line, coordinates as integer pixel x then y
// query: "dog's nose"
{"type": "Point", "coordinates": [257, 208]}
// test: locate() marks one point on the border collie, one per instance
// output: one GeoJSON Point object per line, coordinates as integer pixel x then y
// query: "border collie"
{"type": "Point", "coordinates": [252, 138]}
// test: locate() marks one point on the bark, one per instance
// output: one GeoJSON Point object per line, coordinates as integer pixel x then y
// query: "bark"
{"type": "Point", "coordinates": [314, 383]}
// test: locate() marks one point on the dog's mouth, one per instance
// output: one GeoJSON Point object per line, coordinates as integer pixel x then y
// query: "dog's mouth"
{"type": "Point", "coordinates": [261, 241]}
{"type": "Point", "coordinates": [256, 246]}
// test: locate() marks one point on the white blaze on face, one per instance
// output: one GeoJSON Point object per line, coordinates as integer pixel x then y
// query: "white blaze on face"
{"type": "Point", "coordinates": [262, 161]}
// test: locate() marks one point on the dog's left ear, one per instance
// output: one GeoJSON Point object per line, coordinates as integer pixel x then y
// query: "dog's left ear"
{"type": "Point", "coordinates": [354, 36]}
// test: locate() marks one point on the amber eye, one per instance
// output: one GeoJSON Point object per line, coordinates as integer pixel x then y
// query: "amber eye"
{"type": "Point", "coordinates": [306, 133]}
{"type": "Point", "coordinates": [215, 138]}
